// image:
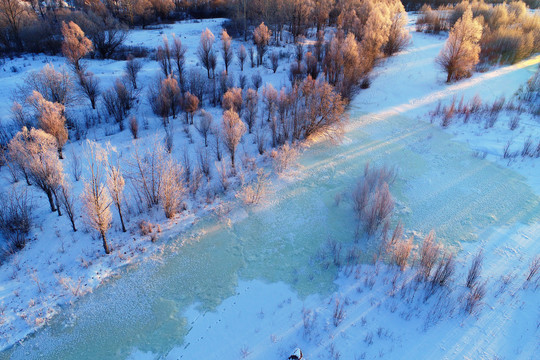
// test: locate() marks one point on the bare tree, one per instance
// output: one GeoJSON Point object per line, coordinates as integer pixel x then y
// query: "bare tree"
{"type": "Point", "coordinates": [95, 199]}
{"type": "Point", "coordinates": [322, 110]}
{"type": "Point", "coordinates": [232, 132]}
{"type": "Point", "coordinates": [132, 68]}
{"type": "Point", "coordinates": [204, 52]}
{"type": "Point", "coordinates": [204, 125]}
{"type": "Point", "coordinates": [312, 66]}
{"type": "Point", "coordinates": [226, 49]}
{"type": "Point", "coordinates": [461, 51]}
{"type": "Point", "coordinates": [116, 183]}
{"type": "Point", "coordinates": [251, 57]}
{"type": "Point", "coordinates": [51, 119]}
{"type": "Point", "coordinates": [67, 200]}
{"type": "Point", "coordinates": [242, 55]}
{"type": "Point", "coordinates": [75, 45]}
{"type": "Point", "coordinates": [269, 95]}
{"type": "Point", "coordinates": [274, 59]}
{"type": "Point", "coordinates": [256, 80]}
{"type": "Point", "coordinates": [251, 108]}
{"type": "Point", "coordinates": [261, 38]}
{"type": "Point", "coordinates": [13, 13]}
{"type": "Point", "coordinates": [89, 86]}
{"type": "Point", "coordinates": [15, 219]}
{"type": "Point", "coordinates": [475, 270]}
{"type": "Point", "coordinates": [145, 169]}
{"type": "Point", "coordinates": [55, 86]}
{"type": "Point", "coordinates": [163, 57]}
{"type": "Point", "coordinates": [76, 168]}
{"type": "Point", "coordinates": [178, 54]}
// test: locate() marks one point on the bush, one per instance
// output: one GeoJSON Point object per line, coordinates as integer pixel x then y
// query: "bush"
{"type": "Point", "coordinates": [15, 220]}
{"type": "Point", "coordinates": [473, 299]}
{"type": "Point", "coordinates": [372, 201]}
{"type": "Point", "coordinates": [475, 270]}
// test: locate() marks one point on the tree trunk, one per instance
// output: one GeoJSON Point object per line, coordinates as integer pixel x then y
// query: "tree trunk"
{"type": "Point", "coordinates": [121, 217]}
{"type": "Point", "coordinates": [105, 245]}
{"type": "Point", "coordinates": [57, 204]}
{"type": "Point", "coordinates": [51, 200]}
{"type": "Point", "coordinates": [73, 223]}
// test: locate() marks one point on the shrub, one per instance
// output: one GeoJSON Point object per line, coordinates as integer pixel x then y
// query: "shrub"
{"type": "Point", "coordinates": [134, 127]}
{"type": "Point", "coordinates": [473, 299]}
{"type": "Point", "coordinates": [475, 270]}
{"type": "Point", "coordinates": [429, 253]}
{"type": "Point", "coordinates": [372, 201]}
{"type": "Point", "coordinates": [15, 220]}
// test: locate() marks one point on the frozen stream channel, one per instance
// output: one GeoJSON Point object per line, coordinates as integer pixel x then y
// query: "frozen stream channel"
{"type": "Point", "coordinates": [440, 186]}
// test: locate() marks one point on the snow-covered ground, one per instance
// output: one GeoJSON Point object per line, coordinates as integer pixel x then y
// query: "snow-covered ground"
{"type": "Point", "coordinates": [57, 265]}
{"type": "Point", "coordinates": [242, 288]}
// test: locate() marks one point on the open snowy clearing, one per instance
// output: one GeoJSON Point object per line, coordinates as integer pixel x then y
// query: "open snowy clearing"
{"type": "Point", "coordinates": [264, 258]}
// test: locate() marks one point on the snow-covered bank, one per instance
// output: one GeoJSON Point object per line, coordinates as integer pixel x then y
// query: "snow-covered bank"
{"type": "Point", "coordinates": [382, 315]}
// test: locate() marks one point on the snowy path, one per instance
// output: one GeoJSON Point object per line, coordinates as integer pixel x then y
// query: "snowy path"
{"type": "Point", "coordinates": [440, 186]}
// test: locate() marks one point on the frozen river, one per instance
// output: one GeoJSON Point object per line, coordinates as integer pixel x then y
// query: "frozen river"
{"type": "Point", "coordinates": [440, 186]}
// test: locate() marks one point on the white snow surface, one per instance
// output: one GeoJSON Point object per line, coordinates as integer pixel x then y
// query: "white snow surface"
{"type": "Point", "coordinates": [262, 316]}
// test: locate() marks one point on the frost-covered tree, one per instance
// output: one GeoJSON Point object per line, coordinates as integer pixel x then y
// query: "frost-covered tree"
{"type": "Point", "coordinates": [461, 51]}
{"type": "Point", "coordinates": [170, 95]}
{"type": "Point", "coordinates": [204, 125]}
{"type": "Point", "coordinates": [242, 56]}
{"type": "Point", "coordinates": [261, 38]}
{"type": "Point", "coordinates": [75, 45]}
{"type": "Point", "coordinates": [38, 153]}
{"type": "Point", "coordinates": [116, 183]}
{"type": "Point", "coordinates": [232, 99]}
{"type": "Point", "coordinates": [269, 95]}
{"type": "Point", "coordinates": [232, 131]}
{"type": "Point", "coordinates": [226, 49]}
{"type": "Point", "coordinates": [89, 86]}
{"type": "Point", "coordinates": [55, 86]}
{"type": "Point", "coordinates": [51, 119]}
{"type": "Point", "coordinates": [132, 68]}
{"type": "Point", "coordinates": [172, 187]}
{"type": "Point", "coordinates": [204, 52]}
{"type": "Point", "coordinates": [191, 105]}
{"type": "Point", "coordinates": [96, 201]}
{"type": "Point", "coordinates": [320, 110]}
{"type": "Point", "coordinates": [251, 108]}
{"type": "Point", "coordinates": [178, 55]}
{"type": "Point", "coordinates": [398, 36]}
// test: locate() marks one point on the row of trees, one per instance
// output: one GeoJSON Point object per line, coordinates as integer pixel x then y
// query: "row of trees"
{"type": "Point", "coordinates": [504, 33]}
{"type": "Point", "coordinates": [30, 26]}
